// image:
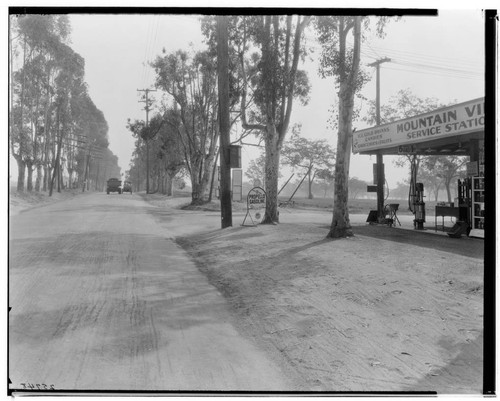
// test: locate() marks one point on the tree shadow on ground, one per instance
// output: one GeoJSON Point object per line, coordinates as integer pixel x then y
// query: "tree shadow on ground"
{"type": "Point", "coordinates": [305, 247]}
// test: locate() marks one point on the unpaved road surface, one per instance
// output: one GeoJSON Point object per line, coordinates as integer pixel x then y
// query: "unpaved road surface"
{"type": "Point", "coordinates": [387, 310]}
{"type": "Point", "coordinates": [102, 298]}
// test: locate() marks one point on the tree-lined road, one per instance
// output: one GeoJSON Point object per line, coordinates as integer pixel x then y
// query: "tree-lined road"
{"type": "Point", "coordinates": [103, 299]}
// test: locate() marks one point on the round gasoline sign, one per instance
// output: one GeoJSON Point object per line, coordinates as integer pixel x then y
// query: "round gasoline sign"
{"type": "Point", "coordinates": [256, 204]}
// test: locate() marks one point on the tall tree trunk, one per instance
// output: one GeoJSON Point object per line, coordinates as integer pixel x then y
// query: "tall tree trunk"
{"type": "Point", "coordinates": [341, 225]}
{"type": "Point", "coordinates": [196, 194]}
{"type": "Point", "coordinates": [21, 171]}
{"type": "Point", "coordinates": [200, 177]}
{"type": "Point", "coordinates": [39, 176]}
{"type": "Point", "coordinates": [158, 180]}
{"type": "Point", "coordinates": [310, 196]}
{"type": "Point", "coordinates": [448, 190]}
{"type": "Point", "coordinates": [57, 168]}
{"type": "Point", "coordinates": [272, 169]}
{"type": "Point", "coordinates": [207, 173]}
{"type": "Point", "coordinates": [46, 175]}
{"type": "Point", "coordinates": [29, 182]}
{"type": "Point", "coordinates": [214, 172]}
{"type": "Point", "coordinates": [21, 164]}
{"type": "Point", "coordinates": [169, 183]}
{"type": "Point", "coordinates": [61, 179]}
{"type": "Point", "coordinates": [70, 178]}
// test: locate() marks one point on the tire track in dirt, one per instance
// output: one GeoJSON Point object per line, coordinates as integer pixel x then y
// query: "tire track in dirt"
{"type": "Point", "coordinates": [103, 302]}
{"type": "Point", "coordinates": [89, 262]}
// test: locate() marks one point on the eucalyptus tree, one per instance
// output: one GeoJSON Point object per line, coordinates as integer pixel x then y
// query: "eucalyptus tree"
{"type": "Point", "coordinates": [191, 81]}
{"type": "Point", "coordinates": [342, 61]}
{"type": "Point", "coordinates": [88, 134]}
{"type": "Point", "coordinates": [69, 86]}
{"type": "Point", "coordinates": [137, 171]}
{"type": "Point", "coordinates": [264, 54]}
{"type": "Point", "coordinates": [309, 155]}
{"type": "Point", "coordinates": [269, 49]}
{"type": "Point", "coordinates": [168, 155]}
{"type": "Point", "coordinates": [50, 105]}
{"type": "Point", "coordinates": [34, 43]}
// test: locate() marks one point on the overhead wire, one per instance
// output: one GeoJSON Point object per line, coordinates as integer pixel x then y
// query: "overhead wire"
{"type": "Point", "coordinates": [428, 58]}
{"type": "Point", "coordinates": [440, 65]}
{"type": "Point", "coordinates": [427, 72]}
{"type": "Point", "coordinates": [429, 68]}
{"type": "Point", "coordinates": [152, 49]}
{"type": "Point", "coordinates": [146, 46]}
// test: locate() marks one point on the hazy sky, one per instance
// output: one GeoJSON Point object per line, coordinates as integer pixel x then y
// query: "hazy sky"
{"type": "Point", "coordinates": [439, 57]}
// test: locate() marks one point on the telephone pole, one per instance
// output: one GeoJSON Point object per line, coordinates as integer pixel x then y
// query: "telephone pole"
{"type": "Point", "coordinates": [224, 124]}
{"type": "Point", "coordinates": [147, 108]}
{"type": "Point", "coordinates": [380, 160]}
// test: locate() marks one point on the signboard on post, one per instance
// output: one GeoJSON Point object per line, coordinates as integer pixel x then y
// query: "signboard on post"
{"type": "Point", "coordinates": [235, 156]}
{"type": "Point", "coordinates": [449, 121]}
{"type": "Point", "coordinates": [256, 205]}
{"type": "Point", "coordinates": [237, 185]}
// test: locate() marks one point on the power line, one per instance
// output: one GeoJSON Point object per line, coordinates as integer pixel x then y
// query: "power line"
{"type": "Point", "coordinates": [423, 71]}
{"type": "Point", "coordinates": [151, 49]}
{"type": "Point", "coordinates": [374, 52]}
{"type": "Point", "coordinates": [143, 75]}
{"type": "Point", "coordinates": [427, 58]}
{"type": "Point", "coordinates": [446, 66]}
{"type": "Point", "coordinates": [368, 48]}
{"type": "Point", "coordinates": [438, 68]}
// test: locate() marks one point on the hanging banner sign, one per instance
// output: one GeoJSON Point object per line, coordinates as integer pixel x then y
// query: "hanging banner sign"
{"type": "Point", "coordinates": [454, 120]}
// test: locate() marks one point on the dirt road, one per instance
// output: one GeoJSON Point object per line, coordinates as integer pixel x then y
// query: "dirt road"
{"type": "Point", "coordinates": [102, 298]}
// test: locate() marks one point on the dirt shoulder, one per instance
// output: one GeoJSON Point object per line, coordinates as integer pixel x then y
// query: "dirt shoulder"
{"type": "Point", "coordinates": [351, 315]}
{"type": "Point", "coordinates": [21, 201]}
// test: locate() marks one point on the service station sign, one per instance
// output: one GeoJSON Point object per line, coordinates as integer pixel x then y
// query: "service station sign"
{"type": "Point", "coordinates": [458, 119]}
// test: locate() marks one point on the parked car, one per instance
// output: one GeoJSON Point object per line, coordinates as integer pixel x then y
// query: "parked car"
{"type": "Point", "coordinates": [114, 185]}
{"type": "Point", "coordinates": [127, 187]}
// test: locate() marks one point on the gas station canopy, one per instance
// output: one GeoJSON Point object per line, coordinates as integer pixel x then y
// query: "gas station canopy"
{"type": "Point", "coordinates": [452, 130]}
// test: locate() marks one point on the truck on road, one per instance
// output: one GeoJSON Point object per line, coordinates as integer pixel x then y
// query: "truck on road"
{"type": "Point", "coordinates": [114, 185]}
{"type": "Point", "coordinates": [127, 187]}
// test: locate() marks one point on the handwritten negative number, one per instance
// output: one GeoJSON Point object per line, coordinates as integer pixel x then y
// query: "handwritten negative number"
{"type": "Point", "coordinates": [43, 386]}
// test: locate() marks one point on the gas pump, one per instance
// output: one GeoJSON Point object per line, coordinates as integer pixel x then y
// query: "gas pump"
{"type": "Point", "coordinates": [419, 207]}
{"type": "Point", "coordinates": [416, 198]}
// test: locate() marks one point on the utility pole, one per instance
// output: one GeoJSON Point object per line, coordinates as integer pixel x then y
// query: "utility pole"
{"type": "Point", "coordinates": [147, 108]}
{"type": "Point", "coordinates": [224, 124]}
{"type": "Point", "coordinates": [380, 160]}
